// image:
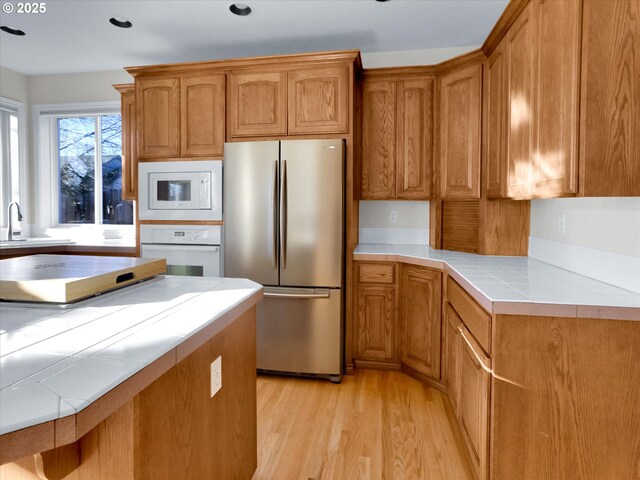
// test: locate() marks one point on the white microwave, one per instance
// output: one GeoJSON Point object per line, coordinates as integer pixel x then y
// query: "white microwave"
{"type": "Point", "coordinates": [180, 190]}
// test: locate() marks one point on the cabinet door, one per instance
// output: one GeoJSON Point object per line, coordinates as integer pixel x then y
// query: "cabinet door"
{"type": "Point", "coordinates": [376, 313]}
{"type": "Point", "coordinates": [378, 139]}
{"type": "Point", "coordinates": [258, 103]}
{"type": "Point", "coordinates": [451, 350]}
{"type": "Point", "coordinates": [519, 56]}
{"type": "Point", "coordinates": [555, 98]}
{"type": "Point", "coordinates": [158, 116]}
{"type": "Point", "coordinates": [129, 162]}
{"type": "Point", "coordinates": [473, 407]}
{"type": "Point", "coordinates": [460, 123]}
{"type": "Point", "coordinates": [494, 128]}
{"type": "Point", "coordinates": [420, 320]}
{"type": "Point", "coordinates": [609, 101]}
{"type": "Point", "coordinates": [414, 139]}
{"type": "Point", "coordinates": [202, 103]}
{"type": "Point", "coordinates": [319, 100]}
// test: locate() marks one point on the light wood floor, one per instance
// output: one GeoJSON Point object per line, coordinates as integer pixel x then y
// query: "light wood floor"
{"type": "Point", "coordinates": [375, 425]}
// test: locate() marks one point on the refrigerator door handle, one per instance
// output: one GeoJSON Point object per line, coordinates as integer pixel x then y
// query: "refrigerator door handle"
{"type": "Point", "coordinates": [274, 204]}
{"type": "Point", "coordinates": [283, 214]}
{"type": "Point", "coordinates": [296, 295]}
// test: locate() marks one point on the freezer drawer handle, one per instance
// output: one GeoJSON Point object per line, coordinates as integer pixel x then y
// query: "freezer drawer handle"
{"type": "Point", "coordinates": [297, 295]}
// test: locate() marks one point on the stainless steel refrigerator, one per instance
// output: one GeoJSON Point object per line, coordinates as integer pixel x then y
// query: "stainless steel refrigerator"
{"type": "Point", "coordinates": [284, 228]}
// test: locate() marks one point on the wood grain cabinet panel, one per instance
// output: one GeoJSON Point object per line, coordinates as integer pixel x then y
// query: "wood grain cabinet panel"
{"type": "Point", "coordinates": [420, 319]}
{"type": "Point", "coordinates": [257, 103]}
{"type": "Point", "coordinates": [460, 124]}
{"type": "Point", "coordinates": [451, 345]}
{"type": "Point", "coordinates": [319, 100]}
{"type": "Point", "coordinates": [378, 139]}
{"type": "Point", "coordinates": [203, 115]}
{"type": "Point", "coordinates": [555, 98]}
{"type": "Point", "coordinates": [414, 138]}
{"type": "Point", "coordinates": [610, 99]}
{"type": "Point", "coordinates": [473, 407]}
{"type": "Point", "coordinates": [158, 117]}
{"type": "Point", "coordinates": [519, 50]}
{"type": "Point", "coordinates": [376, 319]}
{"type": "Point", "coordinates": [129, 161]}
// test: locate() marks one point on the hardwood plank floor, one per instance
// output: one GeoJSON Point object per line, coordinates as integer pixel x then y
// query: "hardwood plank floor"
{"type": "Point", "coordinates": [375, 425]}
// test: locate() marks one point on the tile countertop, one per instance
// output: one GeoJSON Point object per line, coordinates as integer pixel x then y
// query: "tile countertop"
{"type": "Point", "coordinates": [517, 285]}
{"type": "Point", "coordinates": [55, 361]}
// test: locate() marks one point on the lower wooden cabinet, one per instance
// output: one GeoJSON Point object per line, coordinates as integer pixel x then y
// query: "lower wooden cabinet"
{"type": "Point", "coordinates": [420, 319]}
{"type": "Point", "coordinates": [473, 403]}
{"type": "Point", "coordinates": [450, 353]}
{"type": "Point", "coordinates": [376, 318]}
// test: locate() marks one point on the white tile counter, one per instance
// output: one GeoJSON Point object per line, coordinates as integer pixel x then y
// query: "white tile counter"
{"type": "Point", "coordinates": [55, 361]}
{"type": "Point", "coordinates": [517, 285]}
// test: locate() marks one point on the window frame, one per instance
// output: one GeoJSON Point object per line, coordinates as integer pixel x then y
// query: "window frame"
{"type": "Point", "coordinates": [45, 118]}
{"type": "Point", "coordinates": [23, 193]}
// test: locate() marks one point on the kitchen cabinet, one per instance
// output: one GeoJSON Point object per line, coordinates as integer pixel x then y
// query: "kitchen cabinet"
{"type": "Point", "coordinates": [420, 319]}
{"type": "Point", "coordinates": [180, 116]}
{"type": "Point", "coordinates": [296, 101]}
{"type": "Point", "coordinates": [531, 97]}
{"type": "Point", "coordinates": [609, 106]}
{"type": "Point", "coordinates": [473, 406]}
{"type": "Point", "coordinates": [451, 344]}
{"type": "Point", "coordinates": [158, 117]}
{"type": "Point", "coordinates": [318, 100]}
{"type": "Point", "coordinates": [397, 137]}
{"type": "Point", "coordinates": [129, 161]}
{"type": "Point", "coordinates": [460, 123]}
{"type": "Point", "coordinates": [376, 313]}
{"type": "Point", "coordinates": [258, 103]}
{"type": "Point", "coordinates": [202, 116]}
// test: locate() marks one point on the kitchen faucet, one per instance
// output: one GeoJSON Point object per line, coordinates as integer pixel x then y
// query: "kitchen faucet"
{"type": "Point", "coordinates": [10, 229]}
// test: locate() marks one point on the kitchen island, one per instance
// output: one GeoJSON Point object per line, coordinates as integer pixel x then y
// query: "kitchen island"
{"type": "Point", "coordinates": [120, 385]}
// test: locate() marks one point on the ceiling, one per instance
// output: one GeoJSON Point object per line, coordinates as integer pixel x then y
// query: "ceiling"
{"type": "Point", "coordinates": [75, 35]}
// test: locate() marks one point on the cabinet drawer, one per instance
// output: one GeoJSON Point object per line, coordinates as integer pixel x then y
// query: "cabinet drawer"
{"type": "Point", "coordinates": [473, 315]}
{"type": "Point", "coordinates": [376, 273]}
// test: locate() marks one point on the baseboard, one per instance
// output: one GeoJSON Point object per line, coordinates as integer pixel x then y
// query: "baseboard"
{"type": "Point", "coordinates": [423, 378]}
{"type": "Point", "coordinates": [377, 364]}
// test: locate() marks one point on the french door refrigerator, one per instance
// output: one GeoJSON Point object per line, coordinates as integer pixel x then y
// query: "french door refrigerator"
{"type": "Point", "coordinates": [283, 227]}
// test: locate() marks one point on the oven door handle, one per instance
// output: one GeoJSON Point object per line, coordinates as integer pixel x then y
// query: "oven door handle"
{"type": "Point", "coordinates": [164, 247]}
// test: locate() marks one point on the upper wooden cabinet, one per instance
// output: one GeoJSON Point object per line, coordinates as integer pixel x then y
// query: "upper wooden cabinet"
{"type": "Point", "coordinates": [609, 101]}
{"type": "Point", "coordinates": [257, 103]}
{"type": "Point", "coordinates": [158, 117]}
{"type": "Point", "coordinates": [319, 100]}
{"type": "Point", "coordinates": [309, 100]}
{"type": "Point", "coordinates": [203, 115]}
{"type": "Point", "coordinates": [397, 138]}
{"type": "Point", "coordinates": [531, 93]}
{"type": "Point", "coordinates": [460, 123]}
{"type": "Point", "coordinates": [420, 319]}
{"type": "Point", "coordinates": [182, 116]}
{"type": "Point", "coordinates": [129, 162]}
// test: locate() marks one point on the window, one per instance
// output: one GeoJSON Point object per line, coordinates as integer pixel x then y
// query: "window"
{"type": "Point", "coordinates": [10, 159]}
{"type": "Point", "coordinates": [89, 170]}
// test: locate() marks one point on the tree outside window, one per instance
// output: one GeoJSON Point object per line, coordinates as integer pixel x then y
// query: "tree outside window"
{"type": "Point", "coordinates": [90, 171]}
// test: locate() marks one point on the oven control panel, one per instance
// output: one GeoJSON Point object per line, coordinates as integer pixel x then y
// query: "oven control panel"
{"type": "Point", "coordinates": [180, 234]}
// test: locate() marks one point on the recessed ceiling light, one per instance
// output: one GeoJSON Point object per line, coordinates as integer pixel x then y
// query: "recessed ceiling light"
{"type": "Point", "coordinates": [240, 9]}
{"type": "Point", "coordinates": [12, 30]}
{"type": "Point", "coordinates": [381, 1]}
{"type": "Point", "coordinates": [120, 22]}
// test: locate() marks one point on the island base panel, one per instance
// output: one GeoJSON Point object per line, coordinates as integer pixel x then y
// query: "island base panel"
{"type": "Point", "coordinates": [173, 428]}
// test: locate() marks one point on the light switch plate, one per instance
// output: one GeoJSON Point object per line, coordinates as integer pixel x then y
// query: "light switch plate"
{"type": "Point", "coordinates": [216, 376]}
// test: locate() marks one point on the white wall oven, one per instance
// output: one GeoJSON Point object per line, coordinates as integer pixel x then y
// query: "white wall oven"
{"type": "Point", "coordinates": [181, 190]}
{"type": "Point", "coordinates": [192, 250]}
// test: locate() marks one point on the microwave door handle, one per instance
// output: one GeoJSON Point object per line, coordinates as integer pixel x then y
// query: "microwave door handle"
{"type": "Point", "coordinates": [274, 213]}
{"type": "Point", "coordinates": [283, 215]}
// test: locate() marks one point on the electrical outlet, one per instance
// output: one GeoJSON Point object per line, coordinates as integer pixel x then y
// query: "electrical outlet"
{"type": "Point", "coordinates": [562, 223]}
{"type": "Point", "coordinates": [393, 217]}
{"type": "Point", "coordinates": [216, 376]}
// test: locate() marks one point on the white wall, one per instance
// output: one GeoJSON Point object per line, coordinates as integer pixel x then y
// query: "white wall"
{"type": "Point", "coordinates": [76, 87]}
{"type": "Point", "coordinates": [405, 58]}
{"type": "Point", "coordinates": [14, 85]}
{"type": "Point", "coordinates": [601, 238]}
{"type": "Point", "coordinates": [411, 225]}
